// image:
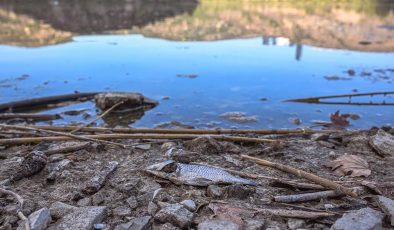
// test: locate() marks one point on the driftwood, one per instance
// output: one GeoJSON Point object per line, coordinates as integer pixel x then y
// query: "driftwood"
{"type": "Point", "coordinates": [309, 176]}
{"type": "Point", "coordinates": [44, 102]}
{"type": "Point", "coordinates": [186, 131]}
{"type": "Point", "coordinates": [26, 140]}
{"type": "Point", "coordinates": [67, 135]}
{"type": "Point", "coordinates": [20, 206]}
{"type": "Point", "coordinates": [96, 182]}
{"type": "Point", "coordinates": [316, 100]}
{"type": "Point", "coordinates": [57, 170]}
{"type": "Point", "coordinates": [29, 116]}
{"type": "Point", "coordinates": [97, 118]}
{"type": "Point", "coordinates": [33, 163]}
{"type": "Point", "coordinates": [307, 196]}
{"type": "Point", "coordinates": [67, 149]}
{"type": "Point", "coordinates": [295, 213]}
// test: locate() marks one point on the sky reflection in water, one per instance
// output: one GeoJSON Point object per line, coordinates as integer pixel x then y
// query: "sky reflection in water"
{"type": "Point", "coordinates": [233, 75]}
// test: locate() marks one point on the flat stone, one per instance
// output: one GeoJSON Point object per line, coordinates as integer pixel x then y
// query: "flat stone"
{"type": "Point", "coordinates": [319, 137]}
{"type": "Point", "coordinates": [293, 223]}
{"type": "Point", "coordinates": [238, 191]}
{"type": "Point", "coordinates": [216, 224]}
{"type": "Point", "coordinates": [175, 214]}
{"type": "Point", "coordinates": [38, 220]}
{"type": "Point", "coordinates": [215, 191]}
{"type": "Point", "coordinates": [87, 201]}
{"type": "Point", "coordinates": [166, 226]}
{"type": "Point", "coordinates": [387, 205]}
{"type": "Point", "coordinates": [122, 211]}
{"type": "Point", "coordinates": [139, 223]}
{"type": "Point", "coordinates": [143, 146]}
{"type": "Point", "coordinates": [363, 219]}
{"type": "Point", "coordinates": [152, 208]}
{"type": "Point", "coordinates": [251, 224]}
{"type": "Point", "coordinates": [383, 143]}
{"type": "Point", "coordinates": [60, 209]}
{"type": "Point", "coordinates": [189, 205]}
{"type": "Point", "coordinates": [132, 202]}
{"type": "Point", "coordinates": [82, 218]}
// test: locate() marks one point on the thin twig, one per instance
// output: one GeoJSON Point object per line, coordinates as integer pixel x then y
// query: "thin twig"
{"type": "Point", "coordinates": [60, 134]}
{"type": "Point", "coordinates": [20, 206]}
{"type": "Point", "coordinates": [309, 176]}
{"type": "Point", "coordinates": [14, 141]}
{"type": "Point", "coordinates": [97, 118]}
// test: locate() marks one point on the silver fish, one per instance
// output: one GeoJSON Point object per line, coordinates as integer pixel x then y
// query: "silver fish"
{"type": "Point", "coordinates": [196, 175]}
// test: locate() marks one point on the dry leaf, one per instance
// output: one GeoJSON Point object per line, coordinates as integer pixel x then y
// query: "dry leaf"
{"type": "Point", "coordinates": [231, 213]}
{"type": "Point", "coordinates": [350, 165]}
{"type": "Point", "coordinates": [372, 186]}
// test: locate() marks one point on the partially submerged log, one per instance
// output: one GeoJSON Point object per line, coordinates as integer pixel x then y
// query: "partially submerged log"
{"type": "Point", "coordinates": [96, 182]}
{"type": "Point", "coordinates": [44, 102]}
{"type": "Point", "coordinates": [29, 116]}
{"type": "Point", "coordinates": [126, 101]}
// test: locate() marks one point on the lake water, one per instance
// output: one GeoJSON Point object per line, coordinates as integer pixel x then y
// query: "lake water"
{"type": "Point", "coordinates": [209, 57]}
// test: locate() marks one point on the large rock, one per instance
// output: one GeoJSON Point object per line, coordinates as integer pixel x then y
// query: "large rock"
{"type": "Point", "coordinates": [363, 219]}
{"type": "Point", "coordinates": [387, 205]}
{"type": "Point", "coordinates": [82, 218]}
{"type": "Point", "coordinates": [140, 223]}
{"type": "Point", "coordinates": [383, 143]}
{"type": "Point", "coordinates": [216, 224]}
{"type": "Point", "coordinates": [38, 220]}
{"type": "Point", "coordinates": [131, 101]}
{"type": "Point", "coordinates": [175, 214]}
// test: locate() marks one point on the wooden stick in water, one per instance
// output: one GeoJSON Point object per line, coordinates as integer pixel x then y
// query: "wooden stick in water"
{"type": "Point", "coordinates": [97, 118]}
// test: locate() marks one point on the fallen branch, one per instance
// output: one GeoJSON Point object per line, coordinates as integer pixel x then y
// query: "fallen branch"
{"type": "Point", "coordinates": [309, 176]}
{"type": "Point", "coordinates": [29, 116]}
{"type": "Point", "coordinates": [26, 140]}
{"type": "Point", "coordinates": [44, 102]}
{"type": "Point", "coordinates": [20, 206]}
{"type": "Point", "coordinates": [97, 118]}
{"type": "Point", "coordinates": [96, 182]}
{"type": "Point", "coordinates": [67, 149]}
{"type": "Point", "coordinates": [68, 135]}
{"type": "Point", "coordinates": [56, 171]}
{"type": "Point", "coordinates": [307, 196]}
{"type": "Point", "coordinates": [186, 131]}
{"type": "Point", "coordinates": [295, 213]}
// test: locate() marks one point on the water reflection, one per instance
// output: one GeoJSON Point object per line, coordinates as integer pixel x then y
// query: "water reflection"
{"type": "Point", "coordinates": [353, 25]}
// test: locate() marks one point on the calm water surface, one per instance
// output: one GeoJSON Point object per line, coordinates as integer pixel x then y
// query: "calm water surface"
{"type": "Point", "coordinates": [237, 52]}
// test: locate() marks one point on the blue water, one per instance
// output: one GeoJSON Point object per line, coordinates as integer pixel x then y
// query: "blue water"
{"type": "Point", "coordinates": [232, 76]}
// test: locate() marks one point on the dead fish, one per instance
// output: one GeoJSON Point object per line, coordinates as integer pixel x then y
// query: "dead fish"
{"type": "Point", "coordinates": [196, 175]}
